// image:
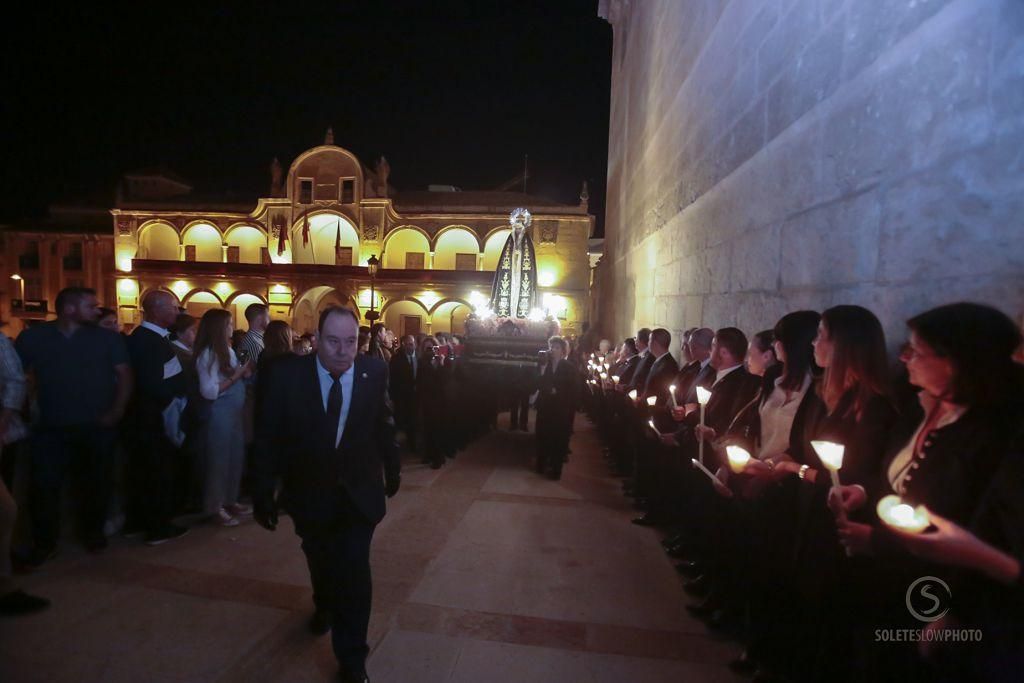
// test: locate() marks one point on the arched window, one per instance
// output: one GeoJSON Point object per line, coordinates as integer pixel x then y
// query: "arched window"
{"type": "Point", "coordinates": [207, 242]}
{"type": "Point", "coordinates": [406, 248]}
{"type": "Point", "coordinates": [456, 249]}
{"type": "Point", "coordinates": [159, 241]}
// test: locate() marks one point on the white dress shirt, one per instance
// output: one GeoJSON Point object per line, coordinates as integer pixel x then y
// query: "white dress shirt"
{"type": "Point", "coordinates": [155, 328]}
{"type": "Point", "coordinates": [777, 415]}
{"type": "Point", "coordinates": [326, 381]}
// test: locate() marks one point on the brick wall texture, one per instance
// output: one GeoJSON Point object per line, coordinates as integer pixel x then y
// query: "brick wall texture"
{"type": "Point", "coordinates": [770, 155]}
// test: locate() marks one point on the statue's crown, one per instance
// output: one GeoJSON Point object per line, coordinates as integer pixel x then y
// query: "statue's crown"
{"type": "Point", "coordinates": [518, 214]}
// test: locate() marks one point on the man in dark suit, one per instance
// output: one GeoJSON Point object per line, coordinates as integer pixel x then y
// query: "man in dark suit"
{"type": "Point", "coordinates": [648, 463]}
{"type": "Point", "coordinates": [325, 429]}
{"type": "Point", "coordinates": [663, 369]}
{"type": "Point", "coordinates": [643, 338]}
{"type": "Point", "coordinates": [628, 365]}
{"type": "Point", "coordinates": [697, 351]}
{"type": "Point", "coordinates": [556, 406]}
{"type": "Point", "coordinates": [154, 462]}
{"type": "Point", "coordinates": [403, 374]}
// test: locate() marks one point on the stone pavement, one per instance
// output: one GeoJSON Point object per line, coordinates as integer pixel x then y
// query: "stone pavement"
{"type": "Point", "coordinates": [483, 571]}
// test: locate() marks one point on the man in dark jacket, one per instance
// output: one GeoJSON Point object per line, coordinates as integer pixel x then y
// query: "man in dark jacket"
{"type": "Point", "coordinates": [556, 406]}
{"type": "Point", "coordinates": [325, 430]}
{"type": "Point", "coordinates": [404, 369]}
{"type": "Point", "coordinates": [153, 465]}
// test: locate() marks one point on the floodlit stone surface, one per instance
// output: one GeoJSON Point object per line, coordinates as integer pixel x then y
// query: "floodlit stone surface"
{"type": "Point", "coordinates": [770, 155]}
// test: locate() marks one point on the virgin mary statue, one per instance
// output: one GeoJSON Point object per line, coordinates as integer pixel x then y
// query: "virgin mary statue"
{"type": "Point", "coordinates": [514, 292]}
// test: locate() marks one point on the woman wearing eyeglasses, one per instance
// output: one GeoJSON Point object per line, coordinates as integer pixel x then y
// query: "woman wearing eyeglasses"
{"type": "Point", "coordinates": [947, 455]}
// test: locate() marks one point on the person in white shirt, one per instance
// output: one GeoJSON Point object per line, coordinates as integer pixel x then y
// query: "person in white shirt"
{"type": "Point", "coordinates": [221, 381]}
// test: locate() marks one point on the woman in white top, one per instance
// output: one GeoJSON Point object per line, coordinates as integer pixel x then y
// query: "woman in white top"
{"type": "Point", "coordinates": [220, 381]}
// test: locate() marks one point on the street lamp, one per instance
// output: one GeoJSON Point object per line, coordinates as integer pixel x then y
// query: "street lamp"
{"type": "Point", "coordinates": [372, 264]}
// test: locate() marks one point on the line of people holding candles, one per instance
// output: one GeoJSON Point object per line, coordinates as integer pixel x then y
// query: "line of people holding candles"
{"type": "Point", "coordinates": [845, 519]}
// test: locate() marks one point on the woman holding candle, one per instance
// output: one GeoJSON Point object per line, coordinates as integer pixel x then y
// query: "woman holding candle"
{"type": "Point", "coordinates": [850, 408]}
{"type": "Point", "coordinates": [946, 455]}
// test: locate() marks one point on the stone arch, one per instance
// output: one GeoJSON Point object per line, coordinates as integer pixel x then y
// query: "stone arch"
{"type": "Point", "coordinates": [393, 311]}
{"type": "Point", "coordinates": [249, 238]}
{"type": "Point", "coordinates": [454, 239]}
{"type": "Point", "coordinates": [238, 301]}
{"type": "Point", "coordinates": [449, 315]}
{"type": "Point", "coordinates": [307, 307]}
{"type": "Point", "coordinates": [159, 240]}
{"type": "Point", "coordinates": [403, 240]}
{"type": "Point", "coordinates": [207, 238]}
{"type": "Point", "coordinates": [200, 300]}
{"type": "Point", "coordinates": [323, 225]}
{"type": "Point", "coordinates": [459, 226]}
{"type": "Point", "coordinates": [493, 243]}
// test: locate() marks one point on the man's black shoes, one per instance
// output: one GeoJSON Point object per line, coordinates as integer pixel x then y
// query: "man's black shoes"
{"type": "Point", "coordinates": [17, 603]}
{"type": "Point", "coordinates": [168, 533]}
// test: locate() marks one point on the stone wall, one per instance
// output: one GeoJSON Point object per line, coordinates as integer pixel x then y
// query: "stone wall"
{"type": "Point", "coordinates": [770, 155]}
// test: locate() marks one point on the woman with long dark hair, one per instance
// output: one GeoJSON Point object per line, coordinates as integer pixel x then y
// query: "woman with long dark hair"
{"type": "Point", "coordinates": [957, 453]}
{"type": "Point", "coordinates": [220, 381]}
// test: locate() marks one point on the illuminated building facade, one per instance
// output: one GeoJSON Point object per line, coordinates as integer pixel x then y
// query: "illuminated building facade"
{"type": "Point", "coordinates": [306, 246]}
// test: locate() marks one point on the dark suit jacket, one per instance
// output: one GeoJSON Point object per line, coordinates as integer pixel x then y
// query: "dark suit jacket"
{"type": "Point", "coordinates": [557, 394]}
{"type": "Point", "coordinates": [149, 352]}
{"type": "Point", "coordinates": [402, 384]}
{"type": "Point", "coordinates": [643, 369]}
{"type": "Point", "coordinates": [295, 443]}
{"type": "Point", "coordinates": [728, 398]}
{"type": "Point", "coordinates": [705, 378]}
{"type": "Point", "coordinates": [662, 374]}
{"type": "Point", "coordinates": [628, 370]}
{"type": "Point", "coordinates": [685, 378]}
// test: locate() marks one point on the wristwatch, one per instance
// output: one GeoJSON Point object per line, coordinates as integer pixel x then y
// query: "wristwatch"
{"type": "Point", "coordinates": [803, 471]}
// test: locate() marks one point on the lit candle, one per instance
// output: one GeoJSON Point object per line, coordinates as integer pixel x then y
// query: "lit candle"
{"type": "Point", "coordinates": [738, 457]}
{"type": "Point", "coordinates": [672, 395]}
{"type": "Point", "coordinates": [651, 400]}
{"type": "Point", "coordinates": [699, 465]}
{"type": "Point", "coordinates": [607, 366]}
{"type": "Point", "coordinates": [651, 423]}
{"type": "Point", "coordinates": [703, 396]}
{"type": "Point", "coordinates": [604, 375]}
{"type": "Point", "coordinates": [897, 514]}
{"type": "Point", "coordinates": [831, 455]}
{"type": "Point", "coordinates": [632, 395]}
{"type": "Point", "coordinates": [615, 378]}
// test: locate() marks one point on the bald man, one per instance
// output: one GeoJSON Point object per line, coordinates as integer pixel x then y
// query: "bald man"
{"type": "Point", "coordinates": [153, 458]}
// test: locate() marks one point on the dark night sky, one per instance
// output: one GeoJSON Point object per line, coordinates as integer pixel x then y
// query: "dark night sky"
{"type": "Point", "coordinates": [451, 93]}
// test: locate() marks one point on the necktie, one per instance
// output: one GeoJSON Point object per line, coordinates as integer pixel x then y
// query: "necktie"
{"type": "Point", "coordinates": [334, 401]}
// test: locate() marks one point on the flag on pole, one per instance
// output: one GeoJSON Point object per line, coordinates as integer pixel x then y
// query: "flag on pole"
{"type": "Point", "coordinates": [282, 237]}
{"type": "Point", "coordinates": [305, 229]}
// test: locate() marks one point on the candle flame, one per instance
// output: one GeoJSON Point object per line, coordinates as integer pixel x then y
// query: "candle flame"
{"type": "Point", "coordinates": [894, 512]}
{"type": "Point", "coordinates": [831, 454]}
{"type": "Point", "coordinates": [738, 457]}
